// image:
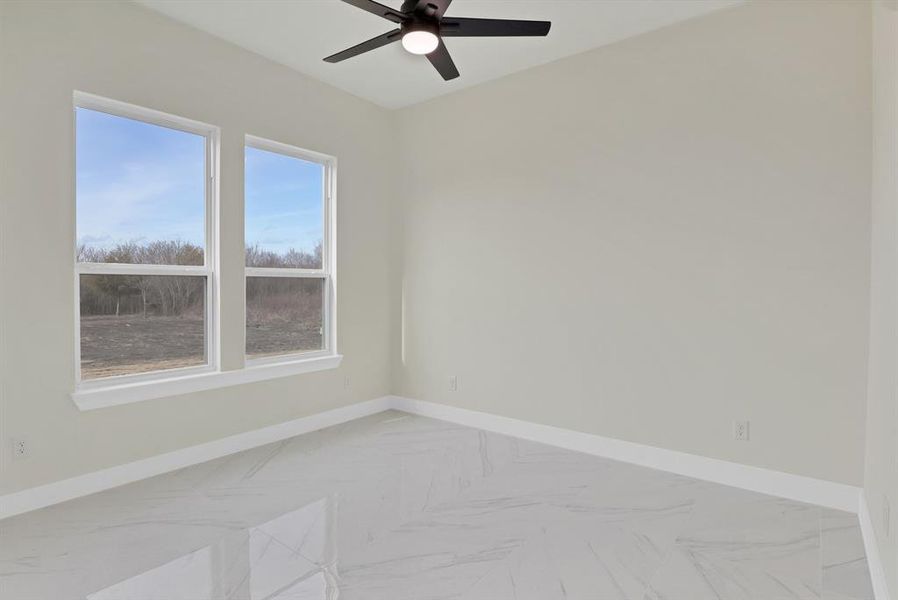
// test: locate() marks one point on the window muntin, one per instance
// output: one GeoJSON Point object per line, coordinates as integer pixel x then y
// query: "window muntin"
{"type": "Point", "coordinates": [144, 271]}
{"type": "Point", "coordinates": [289, 256]}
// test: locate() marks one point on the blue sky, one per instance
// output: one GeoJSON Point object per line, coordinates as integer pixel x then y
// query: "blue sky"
{"type": "Point", "coordinates": [141, 182]}
{"type": "Point", "coordinates": [284, 201]}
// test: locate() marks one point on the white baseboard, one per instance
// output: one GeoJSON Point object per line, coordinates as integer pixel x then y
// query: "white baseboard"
{"type": "Point", "coordinates": [83, 485]}
{"type": "Point", "coordinates": [874, 560]}
{"type": "Point", "coordinates": [785, 485]}
{"type": "Point", "coordinates": [795, 487]}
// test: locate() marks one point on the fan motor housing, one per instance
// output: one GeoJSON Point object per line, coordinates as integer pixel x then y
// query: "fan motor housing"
{"type": "Point", "coordinates": [421, 9]}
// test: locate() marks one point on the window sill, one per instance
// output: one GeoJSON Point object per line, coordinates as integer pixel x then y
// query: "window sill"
{"type": "Point", "coordinates": [114, 395]}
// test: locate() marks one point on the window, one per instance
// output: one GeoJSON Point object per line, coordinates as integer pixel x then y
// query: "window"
{"type": "Point", "coordinates": [147, 257]}
{"type": "Point", "coordinates": [144, 265]}
{"type": "Point", "coordinates": [289, 252]}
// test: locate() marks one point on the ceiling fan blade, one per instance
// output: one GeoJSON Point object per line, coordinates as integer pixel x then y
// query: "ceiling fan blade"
{"type": "Point", "coordinates": [372, 44]}
{"type": "Point", "coordinates": [429, 8]}
{"type": "Point", "coordinates": [379, 9]}
{"type": "Point", "coordinates": [463, 27]}
{"type": "Point", "coordinates": [441, 60]}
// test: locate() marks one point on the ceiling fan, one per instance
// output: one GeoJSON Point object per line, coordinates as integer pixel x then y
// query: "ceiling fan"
{"type": "Point", "coordinates": [422, 28]}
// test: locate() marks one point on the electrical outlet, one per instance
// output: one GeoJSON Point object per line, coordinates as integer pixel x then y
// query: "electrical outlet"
{"type": "Point", "coordinates": [740, 431]}
{"type": "Point", "coordinates": [19, 449]}
{"type": "Point", "coordinates": [347, 382]}
{"type": "Point", "coordinates": [453, 383]}
{"type": "Point", "coordinates": [886, 515]}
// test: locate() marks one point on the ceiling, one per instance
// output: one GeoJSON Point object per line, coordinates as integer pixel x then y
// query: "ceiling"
{"type": "Point", "coordinates": [300, 33]}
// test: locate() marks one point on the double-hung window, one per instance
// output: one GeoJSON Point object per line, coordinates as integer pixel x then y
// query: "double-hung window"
{"type": "Point", "coordinates": [145, 256]}
{"type": "Point", "coordinates": [289, 220]}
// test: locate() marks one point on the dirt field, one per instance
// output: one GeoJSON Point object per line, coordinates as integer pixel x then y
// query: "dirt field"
{"type": "Point", "coordinates": [132, 344]}
{"type": "Point", "coordinates": [281, 337]}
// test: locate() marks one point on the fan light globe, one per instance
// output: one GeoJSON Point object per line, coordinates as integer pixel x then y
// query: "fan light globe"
{"type": "Point", "coordinates": [420, 42]}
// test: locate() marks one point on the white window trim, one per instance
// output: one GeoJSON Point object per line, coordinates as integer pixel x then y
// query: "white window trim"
{"type": "Point", "coordinates": [209, 269]}
{"type": "Point", "coordinates": [328, 270]}
{"type": "Point", "coordinates": [186, 383]}
{"type": "Point", "coordinates": [125, 389]}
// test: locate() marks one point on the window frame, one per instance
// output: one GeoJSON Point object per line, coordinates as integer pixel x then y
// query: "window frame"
{"type": "Point", "coordinates": [328, 270]}
{"type": "Point", "coordinates": [211, 256]}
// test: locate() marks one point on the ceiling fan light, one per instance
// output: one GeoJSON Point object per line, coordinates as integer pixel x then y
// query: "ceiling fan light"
{"type": "Point", "coordinates": [420, 41]}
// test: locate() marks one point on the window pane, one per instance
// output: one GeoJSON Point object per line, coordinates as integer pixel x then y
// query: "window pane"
{"type": "Point", "coordinates": [283, 315]}
{"type": "Point", "coordinates": [140, 191]}
{"type": "Point", "coordinates": [284, 210]}
{"type": "Point", "coordinates": [139, 323]}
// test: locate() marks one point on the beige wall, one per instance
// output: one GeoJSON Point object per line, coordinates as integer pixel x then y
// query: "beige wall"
{"type": "Point", "coordinates": [646, 241]}
{"type": "Point", "coordinates": [125, 52]}
{"type": "Point", "coordinates": [653, 239]}
{"type": "Point", "coordinates": [881, 479]}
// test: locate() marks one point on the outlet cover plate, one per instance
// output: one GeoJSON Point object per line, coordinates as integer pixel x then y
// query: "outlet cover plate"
{"type": "Point", "coordinates": [19, 449]}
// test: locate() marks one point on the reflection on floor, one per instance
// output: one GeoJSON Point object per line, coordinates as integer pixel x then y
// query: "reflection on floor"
{"type": "Point", "coordinates": [400, 507]}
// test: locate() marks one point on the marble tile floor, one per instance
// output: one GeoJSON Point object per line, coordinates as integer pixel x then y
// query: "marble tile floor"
{"type": "Point", "coordinates": [398, 507]}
